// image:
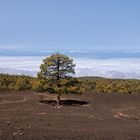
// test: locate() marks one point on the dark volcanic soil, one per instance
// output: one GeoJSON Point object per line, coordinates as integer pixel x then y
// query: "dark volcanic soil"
{"type": "Point", "coordinates": [106, 117]}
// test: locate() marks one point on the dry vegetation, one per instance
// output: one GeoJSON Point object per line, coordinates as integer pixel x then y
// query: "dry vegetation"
{"type": "Point", "coordinates": [86, 84]}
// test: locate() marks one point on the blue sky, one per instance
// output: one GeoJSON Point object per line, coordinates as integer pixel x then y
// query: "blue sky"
{"type": "Point", "coordinates": [104, 33]}
{"type": "Point", "coordinates": [69, 24]}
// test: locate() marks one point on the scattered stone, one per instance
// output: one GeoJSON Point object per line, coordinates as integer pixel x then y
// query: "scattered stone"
{"type": "Point", "coordinates": [15, 133]}
{"type": "Point", "coordinates": [17, 118]}
{"type": "Point", "coordinates": [60, 106]}
{"type": "Point", "coordinates": [18, 133]}
{"type": "Point", "coordinates": [42, 113]}
{"type": "Point", "coordinates": [90, 117]}
{"type": "Point", "coordinates": [85, 105]}
{"type": "Point", "coordinates": [8, 122]}
{"type": "Point", "coordinates": [29, 126]}
{"type": "Point", "coordinates": [21, 133]}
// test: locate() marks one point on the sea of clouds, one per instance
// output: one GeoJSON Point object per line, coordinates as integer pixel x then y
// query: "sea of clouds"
{"type": "Point", "coordinates": [127, 68]}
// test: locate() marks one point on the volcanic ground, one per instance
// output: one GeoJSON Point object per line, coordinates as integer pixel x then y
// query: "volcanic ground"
{"type": "Point", "coordinates": [34, 116]}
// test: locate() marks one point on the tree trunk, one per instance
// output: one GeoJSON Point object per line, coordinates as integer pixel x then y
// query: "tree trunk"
{"type": "Point", "coordinates": [58, 67]}
{"type": "Point", "coordinates": [58, 100]}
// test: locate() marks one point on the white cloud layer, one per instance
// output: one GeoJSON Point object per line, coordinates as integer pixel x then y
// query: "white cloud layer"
{"type": "Point", "coordinates": [110, 68]}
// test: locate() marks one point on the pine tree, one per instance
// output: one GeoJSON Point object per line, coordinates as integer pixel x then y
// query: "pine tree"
{"type": "Point", "coordinates": [57, 70]}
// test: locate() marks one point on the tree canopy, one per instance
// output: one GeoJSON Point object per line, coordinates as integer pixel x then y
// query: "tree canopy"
{"type": "Point", "coordinates": [57, 70]}
{"type": "Point", "coordinates": [56, 67]}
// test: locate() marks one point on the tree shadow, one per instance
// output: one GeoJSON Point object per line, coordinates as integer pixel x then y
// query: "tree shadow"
{"type": "Point", "coordinates": [65, 102]}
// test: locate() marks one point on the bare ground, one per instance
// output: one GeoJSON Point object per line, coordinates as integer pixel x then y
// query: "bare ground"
{"type": "Point", "coordinates": [26, 116]}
